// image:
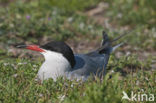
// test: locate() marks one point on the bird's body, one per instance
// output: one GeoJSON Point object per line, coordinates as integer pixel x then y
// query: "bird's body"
{"type": "Point", "coordinates": [84, 66]}
{"type": "Point", "coordinates": [61, 61]}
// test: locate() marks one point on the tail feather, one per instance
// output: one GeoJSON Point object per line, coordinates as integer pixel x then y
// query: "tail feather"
{"type": "Point", "coordinates": [107, 45]}
{"type": "Point", "coordinates": [115, 47]}
{"type": "Point", "coordinates": [105, 38]}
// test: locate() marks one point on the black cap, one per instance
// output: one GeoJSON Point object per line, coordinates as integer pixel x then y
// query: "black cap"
{"type": "Point", "coordinates": [61, 47]}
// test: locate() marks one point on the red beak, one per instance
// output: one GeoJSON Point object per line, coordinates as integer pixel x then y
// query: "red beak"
{"type": "Point", "coordinates": [32, 47]}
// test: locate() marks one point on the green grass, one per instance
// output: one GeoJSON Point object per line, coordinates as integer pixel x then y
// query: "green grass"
{"type": "Point", "coordinates": [133, 12]}
{"type": "Point", "coordinates": [18, 84]}
{"type": "Point", "coordinates": [34, 20]}
{"type": "Point", "coordinates": [72, 5]}
{"type": "Point", "coordinates": [31, 21]}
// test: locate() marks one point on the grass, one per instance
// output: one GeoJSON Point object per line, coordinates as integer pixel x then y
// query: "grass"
{"type": "Point", "coordinates": [18, 84]}
{"type": "Point", "coordinates": [131, 12]}
{"type": "Point", "coordinates": [31, 21]}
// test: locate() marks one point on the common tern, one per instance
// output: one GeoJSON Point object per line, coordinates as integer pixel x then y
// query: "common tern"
{"type": "Point", "coordinates": [61, 61]}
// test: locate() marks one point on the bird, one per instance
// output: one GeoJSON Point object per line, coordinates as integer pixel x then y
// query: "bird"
{"type": "Point", "coordinates": [60, 61]}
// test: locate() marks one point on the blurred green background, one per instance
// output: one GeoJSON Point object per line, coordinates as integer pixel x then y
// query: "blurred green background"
{"type": "Point", "coordinates": [79, 23]}
{"type": "Point", "coordinates": [61, 20]}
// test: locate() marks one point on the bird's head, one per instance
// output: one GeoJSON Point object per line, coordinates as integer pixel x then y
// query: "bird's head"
{"type": "Point", "coordinates": [53, 48]}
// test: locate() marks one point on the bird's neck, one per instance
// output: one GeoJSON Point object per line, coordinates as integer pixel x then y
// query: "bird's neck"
{"type": "Point", "coordinates": [55, 65]}
{"type": "Point", "coordinates": [56, 62]}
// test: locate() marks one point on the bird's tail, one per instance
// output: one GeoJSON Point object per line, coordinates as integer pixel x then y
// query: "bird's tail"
{"type": "Point", "coordinates": [116, 46]}
{"type": "Point", "coordinates": [106, 47]}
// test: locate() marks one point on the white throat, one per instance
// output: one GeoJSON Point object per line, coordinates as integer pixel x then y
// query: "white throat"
{"type": "Point", "coordinates": [55, 65]}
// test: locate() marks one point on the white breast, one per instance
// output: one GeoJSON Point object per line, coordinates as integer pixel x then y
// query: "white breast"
{"type": "Point", "coordinates": [55, 65]}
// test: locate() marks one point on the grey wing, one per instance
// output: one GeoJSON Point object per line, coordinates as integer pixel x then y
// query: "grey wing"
{"type": "Point", "coordinates": [86, 65]}
{"type": "Point", "coordinates": [100, 59]}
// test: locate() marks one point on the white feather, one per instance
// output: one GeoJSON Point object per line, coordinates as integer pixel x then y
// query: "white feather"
{"type": "Point", "coordinates": [55, 65]}
{"type": "Point", "coordinates": [115, 47]}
